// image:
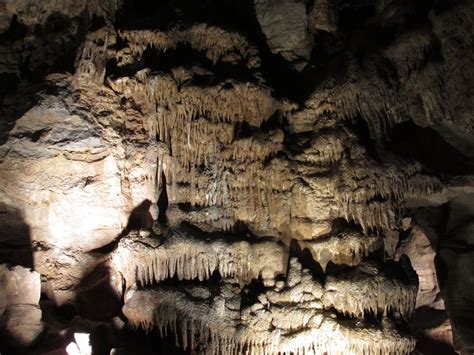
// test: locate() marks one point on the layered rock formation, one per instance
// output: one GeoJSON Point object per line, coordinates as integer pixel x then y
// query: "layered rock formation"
{"type": "Point", "coordinates": [234, 176]}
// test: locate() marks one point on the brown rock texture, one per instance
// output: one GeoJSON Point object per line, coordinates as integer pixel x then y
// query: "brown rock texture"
{"type": "Point", "coordinates": [19, 308]}
{"type": "Point", "coordinates": [285, 26]}
{"type": "Point", "coordinates": [422, 255]}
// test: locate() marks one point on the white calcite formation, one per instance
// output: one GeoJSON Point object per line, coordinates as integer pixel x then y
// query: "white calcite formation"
{"type": "Point", "coordinates": [288, 318]}
{"type": "Point", "coordinates": [348, 248]}
{"type": "Point", "coordinates": [149, 260]}
{"type": "Point", "coordinates": [207, 164]}
{"type": "Point", "coordinates": [366, 289]}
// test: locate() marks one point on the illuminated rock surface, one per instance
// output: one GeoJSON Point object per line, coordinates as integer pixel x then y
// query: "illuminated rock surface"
{"type": "Point", "coordinates": [291, 319]}
{"type": "Point", "coordinates": [147, 261]}
{"type": "Point", "coordinates": [236, 176]}
{"type": "Point", "coordinates": [19, 307]}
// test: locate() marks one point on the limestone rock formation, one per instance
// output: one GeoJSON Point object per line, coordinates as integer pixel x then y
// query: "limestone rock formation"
{"type": "Point", "coordinates": [347, 248]}
{"type": "Point", "coordinates": [290, 318]}
{"type": "Point", "coordinates": [418, 248]}
{"type": "Point", "coordinates": [145, 260]}
{"type": "Point", "coordinates": [236, 176]}
{"type": "Point", "coordinates": [285, 26]}
{"type": "Point", "coordinates": [19, 305]}
{"type": "Point", "coordinates": [324, 15]}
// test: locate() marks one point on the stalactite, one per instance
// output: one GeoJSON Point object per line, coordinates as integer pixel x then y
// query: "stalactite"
{"type": "Point", "coordinates": [256, 329]}
{"type": "Point", "coordinates": [373, 196]}
{"type": "Point", "coordinates": [215, 42]}
{"type": "Point", "coordinates": [288, 318]}
{"type": "Point", "coordinates": [410, 50]}
{"type": "Point", "coordinates": [237, 156]}
{"type": "Point", "coordinates": [367, 289]}
{"type": "Point", "coordinates": [326, 148]}
{"type": "Point", "coordinates": [347, 248]}
{"type": "Point", "coordinates": [241, 102]}
{"type": "Point", "coordinates": [92, 60]}
{"type": "Point", "coordinates": [146, 261]}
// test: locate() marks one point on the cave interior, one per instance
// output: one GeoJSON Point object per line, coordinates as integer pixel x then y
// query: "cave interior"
{"type": "Point", "coordinates": [236, 177]}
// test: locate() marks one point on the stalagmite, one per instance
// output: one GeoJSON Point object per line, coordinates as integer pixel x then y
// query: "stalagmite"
{"type": "Point", "coordinates": [20, 315]}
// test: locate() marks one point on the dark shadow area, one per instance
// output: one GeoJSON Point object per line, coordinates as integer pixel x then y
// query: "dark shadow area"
{"type": "Point", "coordinates": [9, 85]}
{"type": "Point", "coordinates": [97, 300]}
{"type": "Point", "coordinates": [455, 269]}
{"type": "Point", "coordinates": [401, 270]}
{"type": "Point", "coordinates": [145, 14]}
{"type": "Point", "coordinates": [429, 346]}
{"type": "Point", "coordinates": [14, 103]}
{"type": "Point", "coordinates": [141, 343]}
{"type": "Point", "coordinates": [449, 228]}
{"type": "Point", "coordinates": [15, 239]}
{"type": "Point", "coordinates": [16, 250]}
{"type": "Point", "coordinates": [250, 293]}
{"type": "Point", "coordinates": [15, 32]}
{"type": "Point", "coordinates": [428, 318]}
{"type": "Point", "coordinates": [140, 217]}
{"type": "Point", "coordinates": [428, 147]}
{"type": "Point", "coordinates": [163, 202]}
{"type": "Point", "coordinates": [306, 259]}
{"type": "Point", "coordinates": [340, 225]}
{"type": "Point", "coordinates": [360, 127]}
{"type": "Point", "coordinates": [234, 236]}
{"type": "Point", "coordinates": [95, 286]}
{"type": "Point", "coordinates": [433, 222]}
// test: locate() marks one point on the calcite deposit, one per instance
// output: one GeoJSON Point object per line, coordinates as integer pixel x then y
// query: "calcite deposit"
{"type": "Point", "coordinates": [290, 318]}
{"type": "Point", "coordinates": [147, 261]}
{"type": "Point", "coordinates": [228, 177]}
